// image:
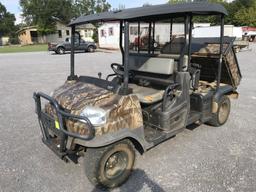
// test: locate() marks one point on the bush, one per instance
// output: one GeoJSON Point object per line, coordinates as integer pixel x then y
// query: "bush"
{"type": "Point", "coordinates": [14, 41]}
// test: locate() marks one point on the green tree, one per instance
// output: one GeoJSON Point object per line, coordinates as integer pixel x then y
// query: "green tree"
{"type": "Point", "coordinates": [86, 7]}
{"type": "Point", "coordinates": [246, 16]}
{"type": "Point", "coordinates": [7, 21]}
{"type": "Point", "coordinates": [44, 13]}
{"type": "Point", "coordinates": [244, 12]}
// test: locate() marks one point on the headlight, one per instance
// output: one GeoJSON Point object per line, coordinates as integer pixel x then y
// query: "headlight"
{"type": "Point", "coordinates": [96, 115]}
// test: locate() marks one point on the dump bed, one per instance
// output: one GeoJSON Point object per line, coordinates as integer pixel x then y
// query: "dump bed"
{"type": "Point", "coordinates": [205, 53]}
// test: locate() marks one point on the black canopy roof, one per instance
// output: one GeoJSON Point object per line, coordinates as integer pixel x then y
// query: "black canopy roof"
{"type": "Point", "coordinates": [156, 11]}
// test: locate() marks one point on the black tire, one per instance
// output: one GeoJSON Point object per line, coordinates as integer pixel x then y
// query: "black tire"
{"type": "Point", "coordinates": [91, 49]}
{"type": "Point", "coordinates": [61, 50]}
{"type": "Point", "coordinates": [101, 163]}
{"type": "Point", "coordinates": [221, 116]}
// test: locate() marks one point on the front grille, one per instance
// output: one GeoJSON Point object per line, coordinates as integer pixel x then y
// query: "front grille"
{"type": "Point", "coordinates": [49, 123]}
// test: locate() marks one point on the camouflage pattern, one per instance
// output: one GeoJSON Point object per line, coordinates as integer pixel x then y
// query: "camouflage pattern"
{"type": "Point", "coordinates": [229, 58]}
{"type": "Point", "coordinates": [123, 111]}
{"type": "Point", "coordinates": [231, 62]}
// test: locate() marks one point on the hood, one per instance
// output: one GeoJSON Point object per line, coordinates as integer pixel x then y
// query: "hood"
{"type": "Point", "coordinates": [73, 96]}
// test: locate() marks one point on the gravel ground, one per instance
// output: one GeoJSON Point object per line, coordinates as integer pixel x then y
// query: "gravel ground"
{"type": "Point", "coordinates": [203, 159]}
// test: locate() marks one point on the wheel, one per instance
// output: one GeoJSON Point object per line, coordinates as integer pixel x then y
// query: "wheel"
{"type": "Point", "coordinates": [91, 49]}
{"type": "Point", "coordinates": [61, 50]}
{"type": "Point", "coordinates": [221, 117]}
{"type": "Point", "coordinates": [109, 166]}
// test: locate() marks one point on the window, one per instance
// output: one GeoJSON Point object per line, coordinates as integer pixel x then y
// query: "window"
{"type": "Point", "coordinates": [133, 30]}
{"type": "Point", "coordinates": [60, 33]}
{"type": "Point", "coordinates": [102, 33]}
{"type": "Point", "coordinates": [87, 33]}
{"type": "Point", "coordinates": [110, 31]}
{"type": "Point", "coordinates": [67, 32]}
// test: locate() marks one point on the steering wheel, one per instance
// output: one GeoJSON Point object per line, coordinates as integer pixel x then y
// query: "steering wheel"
{"type": "Point", "coordinates": [118, 69]}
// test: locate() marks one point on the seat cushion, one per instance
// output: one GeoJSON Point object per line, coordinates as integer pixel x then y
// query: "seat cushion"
{"type": "Point", "coordinates": [147, 95]}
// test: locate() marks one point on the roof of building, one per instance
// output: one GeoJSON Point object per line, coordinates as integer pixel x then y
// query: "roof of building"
{"type": "Point", "coordinates": [87, 26]}
{"type": "Point", "coordinates": [27, 28]}
{"type": "Point", "coordinates": [157, 11]}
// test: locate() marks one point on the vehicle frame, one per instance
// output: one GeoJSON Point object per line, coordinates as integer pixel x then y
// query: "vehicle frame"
{"type": "Point", "coordinates": [161, 120]}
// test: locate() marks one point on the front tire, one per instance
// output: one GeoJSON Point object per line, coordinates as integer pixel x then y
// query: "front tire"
{"type": "Point", "coordinates": [221, 116]}
{"type": "Point", "coordinates": [110, 166]}
{"type": "Point", "coordinates": [91, 49]}
{"type": "Point", "coordinates": [61, 50]}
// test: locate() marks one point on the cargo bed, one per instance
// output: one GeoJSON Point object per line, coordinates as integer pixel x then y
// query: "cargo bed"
{"type": "Point", "coordinates": [205, 55]}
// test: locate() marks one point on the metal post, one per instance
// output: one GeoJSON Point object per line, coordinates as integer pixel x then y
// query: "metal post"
{"type": "Point", "coordinates": [149, 39]}
{"type": "Point", "coordinates": [126, 58]}
{"type": "Point", "coordinates": [185, 48]}
{"type": "Point", "coordinates": [72, 55]}
{"type": "Point", "coordinates": [190, 39]}
{"type": "Point", "coordinates": [171, 26]}
{"type": "Point", "coordinates": [221, 51]}
{"type": "Point", "coordinates": [139, 37]}
{"type": "Point", "coordinates": [121, 41]}
{"type": "Point", "coordinates": [154, 25]}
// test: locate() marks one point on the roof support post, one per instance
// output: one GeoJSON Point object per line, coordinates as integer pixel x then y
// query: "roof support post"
{"type": "Point", "coordinates": [121, 41]}
{"type": "Point", "coordinates": [72, 55]}
{"type": "Point", "coordinates": [138, 36]}
{"type": "Point", "coordinates": [190, 39]}
{"type": "Point", "coordinates": [221, 50]}
{"type": "Point", "coordinates": [171, 26]}
{"type": "Point", "coordinates": [153, 39]}
{"type": "Point", "coordinates": [149, 39]}
{"type": "Point", "coordinates": [185, 48]}
{"type": "Point", "coordinates": [124, 90]}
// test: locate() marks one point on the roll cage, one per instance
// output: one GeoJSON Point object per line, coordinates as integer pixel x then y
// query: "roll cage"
{"type": "Point", "coordinates": [151, 14]}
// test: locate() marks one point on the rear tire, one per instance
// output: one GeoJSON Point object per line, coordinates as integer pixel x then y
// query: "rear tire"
{"type": "Point", "coordinates": [110, 166]}
{"type": "Point", "coordinates": [221, 117]}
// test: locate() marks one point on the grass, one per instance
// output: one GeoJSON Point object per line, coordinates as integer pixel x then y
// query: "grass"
{"type": "Point", "coordinates": [25, 48]}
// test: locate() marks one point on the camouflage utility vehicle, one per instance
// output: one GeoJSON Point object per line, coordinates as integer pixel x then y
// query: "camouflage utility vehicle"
{"type": "Point", "coordinates": [151, 96]}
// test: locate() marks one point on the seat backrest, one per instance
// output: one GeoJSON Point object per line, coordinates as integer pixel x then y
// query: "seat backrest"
{"type": "Point", "coordinates": [176, 57]}
{"type": "Point", "coordinates": [148, 64]}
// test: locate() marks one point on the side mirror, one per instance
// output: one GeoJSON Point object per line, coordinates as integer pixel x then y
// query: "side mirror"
{"type": "Point", "coordinates": [99, 75]}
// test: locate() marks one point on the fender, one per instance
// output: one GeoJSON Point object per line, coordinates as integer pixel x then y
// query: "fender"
{"type": "Point", "coordinates": [223, 90]}
{"type": "Point", "coordinates": [135, 135]}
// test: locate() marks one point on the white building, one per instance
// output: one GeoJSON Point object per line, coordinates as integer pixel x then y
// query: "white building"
{"type": "Point", "coordinates": [214, 31]}
{"type": "Point", "coordinates": [4, 41]}
{"type": "Point", "coordinates": [108, 33]}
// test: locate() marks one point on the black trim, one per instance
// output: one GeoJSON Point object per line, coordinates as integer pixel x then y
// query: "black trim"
{"type": "Point", "coordinates": [121, 40]}
{"type": "Point", "coordinates": [72, 55]}
{"type": "Point", "coordinates": [221, 51]}
{"type": "Point", "coordinates": [124, 90]}
{"type": "Point", "coordinates": [223, 90]}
